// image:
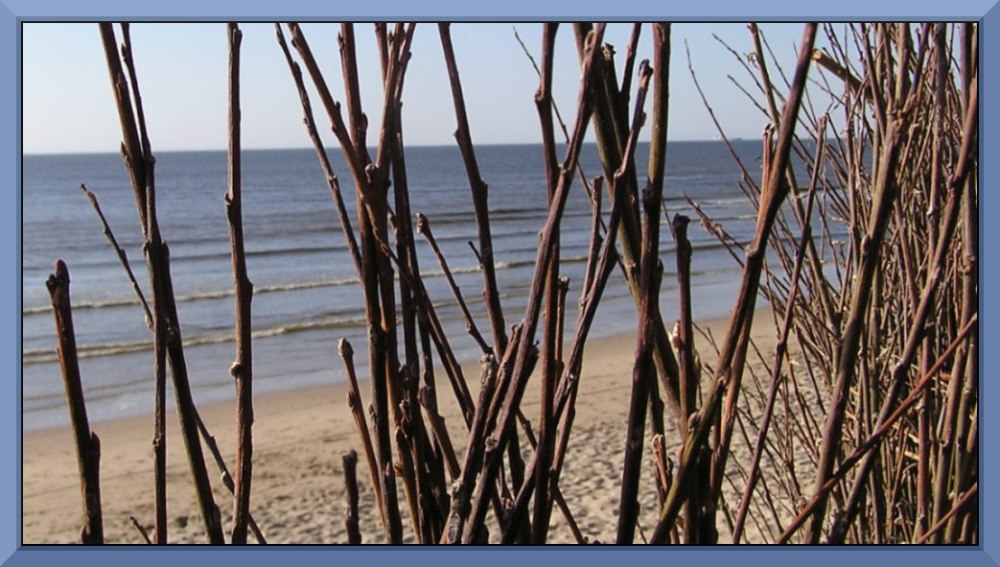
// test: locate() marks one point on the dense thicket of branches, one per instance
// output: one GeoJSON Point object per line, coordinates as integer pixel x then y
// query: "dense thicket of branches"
{"type": "Point", "coordinates": [862, 425]}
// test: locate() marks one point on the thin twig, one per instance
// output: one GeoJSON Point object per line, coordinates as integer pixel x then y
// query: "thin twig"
{"type": "Point", "coordinates": [424, 228]}
{"type": "Point", "coordinates": [780, 348]}
{"type": "Point", "coordinates": [728, 374]}
{"type": "Point", "coordinates": [142, 531]}
{"type": "Point", "coordinates": [878, 436]}
{"type": "Point", "coordinates": [480, 196]}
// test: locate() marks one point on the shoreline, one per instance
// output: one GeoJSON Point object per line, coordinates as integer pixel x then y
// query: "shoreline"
{"type": "Point", "coordinates": [300, 436]}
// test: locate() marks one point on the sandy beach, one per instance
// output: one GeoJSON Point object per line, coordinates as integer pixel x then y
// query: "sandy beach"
{"type": "Point", "coordinates": [299, 439]}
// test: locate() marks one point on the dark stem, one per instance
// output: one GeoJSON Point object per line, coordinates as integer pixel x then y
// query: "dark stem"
{"type": "Point", "coordinates": [242, 367]}
{"type": "Point", "coordinates": [350, 461]}
{"type": "Point", "coordinates": [88, 445]}
{"type": "Point", "coordinates": [140, 163]}
{"type": "Point", "coordinates": [159, 371]}
{"type": "Point", "coordinates": [643, 372]}
{"type": "Point", "coordinates": [356, 407]}
{"type": "Point", "coordinates": [548, 355]}
{"type": "Point", "coordinates": [142, 531]}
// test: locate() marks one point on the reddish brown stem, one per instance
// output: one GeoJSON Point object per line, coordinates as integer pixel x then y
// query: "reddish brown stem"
{"type": "Point", "coordinates": [480, 196]}
{"type": "Point", "coordinates": [689, 377]}
{"type": "Point", "coordinates": [549, 358]}
{"type": "Point", "coordinates": [876, 438]}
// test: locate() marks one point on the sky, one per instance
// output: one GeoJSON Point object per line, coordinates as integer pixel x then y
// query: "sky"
{"type": "Point", "coordinates": [68, 105]}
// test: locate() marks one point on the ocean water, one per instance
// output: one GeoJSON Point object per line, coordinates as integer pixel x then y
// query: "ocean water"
{"type": "Point", "coordinates": [306, 294]}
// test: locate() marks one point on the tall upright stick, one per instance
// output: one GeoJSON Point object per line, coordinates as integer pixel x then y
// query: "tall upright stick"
{"type": "Point", "coordinates": [643, 371]}
{"type": "Point", "coordinates": [375, 272]}
{"type": "Point", "coordinates": [139, 162]}
{"type": "Point", "coordinates": [355, 405]}
{"type": "Point", "coordinates": [242, 368]}
{"type": "Point", "coordinates": [550, 371]}
{"type": "Point", "coordinates": [88, 445]}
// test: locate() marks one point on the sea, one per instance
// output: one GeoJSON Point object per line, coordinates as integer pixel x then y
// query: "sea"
{"type": "Point", "coordinates": [306, 292]}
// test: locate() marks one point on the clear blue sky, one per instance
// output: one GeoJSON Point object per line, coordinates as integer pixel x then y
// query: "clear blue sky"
{"type": "Point", "coordinates": [68, 105]}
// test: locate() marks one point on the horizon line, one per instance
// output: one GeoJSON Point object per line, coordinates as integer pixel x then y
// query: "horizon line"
{"type": "Point", "coordinates": [258, 149]}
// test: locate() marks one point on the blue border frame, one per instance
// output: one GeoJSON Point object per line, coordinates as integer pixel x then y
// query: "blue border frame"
{"type": "Point", "coordinates": [12, 12]}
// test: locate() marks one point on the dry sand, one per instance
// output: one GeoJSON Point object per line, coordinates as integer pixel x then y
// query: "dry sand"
{"type": "Point", "coordinates": [299, 439]}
